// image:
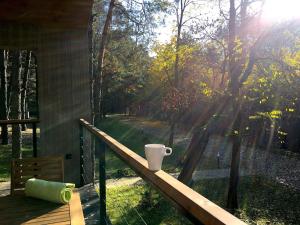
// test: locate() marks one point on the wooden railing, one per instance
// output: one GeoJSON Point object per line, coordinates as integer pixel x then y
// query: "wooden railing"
{"type": "Point", "coordinates": [33, 122]}
{"type": "Point", "coordinates": [193, 205]}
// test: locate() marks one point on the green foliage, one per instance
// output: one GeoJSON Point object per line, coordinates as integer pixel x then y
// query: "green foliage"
{"type": "Point", "coordinates": [126, 71]}
{"type": "Point", "coordinates": [195, 75]}
{"type": "Point", "coordinates": [165, 54]}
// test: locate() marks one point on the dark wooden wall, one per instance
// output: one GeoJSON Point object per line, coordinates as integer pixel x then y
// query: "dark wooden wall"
{"type": "Point", "coordinates": [63, 81]}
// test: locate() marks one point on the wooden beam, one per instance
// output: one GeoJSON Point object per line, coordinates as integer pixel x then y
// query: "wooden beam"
{"type": "Point", "coordinates": [27, 121]}
{"type": "Point", "coordinates": [190, 201]}
{"type": "Point", "coordinates": [55, 13]}
{"type": "Point", "coordinates": [76, 212]}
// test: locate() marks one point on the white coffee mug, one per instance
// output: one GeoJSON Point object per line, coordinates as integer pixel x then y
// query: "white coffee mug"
{"type": "Point", "coordinates": [155, 154]}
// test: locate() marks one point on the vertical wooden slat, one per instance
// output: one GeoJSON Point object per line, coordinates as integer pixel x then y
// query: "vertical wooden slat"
{"type": "Point", "coordinates": [34, 140]}
{"type": "Point", "coordinates": [62, 169]}
{"type": "Point", "coordinates": [48, 168]}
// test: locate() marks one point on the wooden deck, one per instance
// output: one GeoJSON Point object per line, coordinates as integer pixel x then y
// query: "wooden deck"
{"type": "Point", "coordinates": [24, 210]}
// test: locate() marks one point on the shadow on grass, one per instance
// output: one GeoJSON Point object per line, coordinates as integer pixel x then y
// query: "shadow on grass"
{"type": "Point", "coordinates": [5, 159]}
{"type": "Point", "coordinates": [135, 140]}
{"type": "Point", "coordinates": [261, 201]}
{"type": "Point", "coordinates": [134, 205]}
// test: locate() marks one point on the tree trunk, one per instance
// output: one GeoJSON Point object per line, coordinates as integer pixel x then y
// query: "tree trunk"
{"type": "Point", "coordinates": [98, 79]}
{"type": "Point", "coordinates": [232, 197]}
{"type": "Point", "coordinates": [235, 131]}
{"type": "Point", "coordinates": [171, 136]}
{"type": "Point", "coordinates": [176, 68]}
{"type": "Point", "coordinates": [3, 98]}
{"type": "Point", "coordinates": [25, 74]}
{"type": "Point", "coordinates": [237, 78]}
{"type": "Point", "coordinates": [269, 145]}
{"type": "Point", "coordinates": [200, 138]}
{"type": "Point", "coordinates": [8, 72]}
{"type": "Point", "coordinates": [199, 142]}
{"type": "Point", "coordinates": [16, 103]}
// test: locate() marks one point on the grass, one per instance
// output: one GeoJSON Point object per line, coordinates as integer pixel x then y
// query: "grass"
{"type": "Point", "coordinates": [135, 140]}
{"type": "Point", "coordinates": [5, 158]}
{"type": "Point", "coordinates": [5, 152]}
{"type": "Point", "coordinates": [133, 205]}
{"type": "Point", "coordinates": [261, 202]}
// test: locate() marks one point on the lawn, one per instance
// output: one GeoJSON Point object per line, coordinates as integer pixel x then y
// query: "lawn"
{"type": "Point", "coordinates": [5, 152]}
{"type": "Point", "coordinates": [133, 205]}
{"type": "Point", "coordinates": [135, 140]}
{"type": "Point", "coordinates": [261, 202]}
{"type": "Point", "coordinates": [5, 159]}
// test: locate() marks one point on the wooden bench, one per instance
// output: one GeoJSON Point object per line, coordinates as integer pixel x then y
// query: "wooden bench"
{"type": "Point", "coordinates": [19, 209]}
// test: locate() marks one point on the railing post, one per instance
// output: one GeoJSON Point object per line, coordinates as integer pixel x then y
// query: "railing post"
{"type": "Point", "coordinates": [101, 148]}
{"type": "Point", "coordinates": [34, 140]}
{"type": "Point", "coordinates": [81, 154]}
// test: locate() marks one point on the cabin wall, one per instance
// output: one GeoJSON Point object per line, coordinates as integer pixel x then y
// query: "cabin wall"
{"type": "Point", "coordinates": [63, 87]}
{"type": "Point", "coordinates": [63, 94]}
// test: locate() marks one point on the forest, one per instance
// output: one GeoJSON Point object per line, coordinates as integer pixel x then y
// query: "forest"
{"type": "Point", "coordinates": [212, 68]}
{"type": "Point", "coordinates": [18, 93]}
{"type": "Point", "coordinates": [227, 69]}
{"type": "Point", "coordinates": [195, 74]}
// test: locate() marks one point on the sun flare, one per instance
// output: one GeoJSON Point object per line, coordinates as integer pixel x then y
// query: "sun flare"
{"type": "Point", "coordinates": [279, 10]}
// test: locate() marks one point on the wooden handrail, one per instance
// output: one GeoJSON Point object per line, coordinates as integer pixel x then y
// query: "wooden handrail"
{"type": "Point", "coordinates": [189, 201]}
{"type": "Point", "coordinates": [13, 121]}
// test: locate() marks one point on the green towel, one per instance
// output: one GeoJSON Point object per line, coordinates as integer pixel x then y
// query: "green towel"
{"type": "Point", "coordinates": [49, 190]}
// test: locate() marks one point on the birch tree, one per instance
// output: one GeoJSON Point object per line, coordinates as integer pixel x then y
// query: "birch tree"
{"type": "Point", "coordinates": [16, 71]}
{"type": "Point", "coordinates": [3, 97]}
{"type": "Point", "coordinates": [24, 86]}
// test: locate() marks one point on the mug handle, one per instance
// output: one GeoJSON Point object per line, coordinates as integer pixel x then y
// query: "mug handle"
{"type": "Point", "coordinates": [170, 151]}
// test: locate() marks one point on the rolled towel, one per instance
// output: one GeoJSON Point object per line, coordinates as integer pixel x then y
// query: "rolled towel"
{"type": "Point", "coordinates": [49, 190]}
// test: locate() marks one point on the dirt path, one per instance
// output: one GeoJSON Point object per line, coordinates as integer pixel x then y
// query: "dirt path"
{"type": "Point", "coordinates": [157, 128]}
{"type": "Point", "coordinates": [198, 175]}
{"type": "Point", "coordinates": [4, 188]}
